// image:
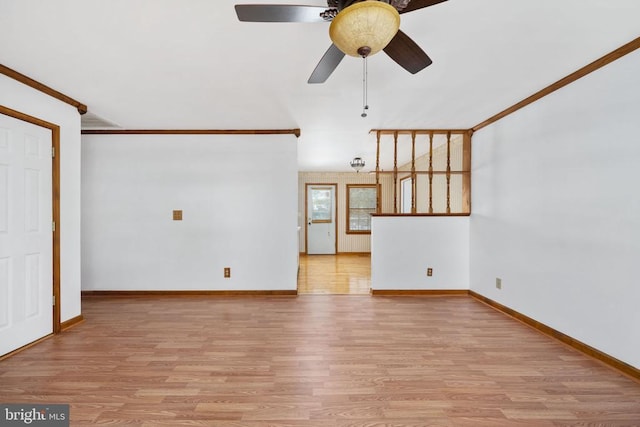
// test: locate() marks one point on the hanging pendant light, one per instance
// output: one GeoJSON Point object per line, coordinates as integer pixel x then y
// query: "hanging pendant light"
{"type": "Point", "coordinates": [357, 163]}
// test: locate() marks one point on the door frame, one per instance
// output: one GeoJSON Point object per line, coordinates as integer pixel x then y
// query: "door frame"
{"type": "Point", "coordinates": [306, 212]}
{"type": "Point", "coordinates": [55, 194]}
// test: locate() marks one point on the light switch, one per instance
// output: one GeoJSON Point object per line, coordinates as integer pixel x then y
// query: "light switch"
{"type": "Point", "coordinates": [177, 215]}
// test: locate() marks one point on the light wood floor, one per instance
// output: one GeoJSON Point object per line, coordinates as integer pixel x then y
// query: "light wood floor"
{"type": "Point", "coordinates": [316, 361]}
{"type": "Point", "coordinates": [344, 274]}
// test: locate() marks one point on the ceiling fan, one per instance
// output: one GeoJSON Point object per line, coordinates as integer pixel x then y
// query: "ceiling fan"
{"type": "Point", "coordinates": [358, 28]}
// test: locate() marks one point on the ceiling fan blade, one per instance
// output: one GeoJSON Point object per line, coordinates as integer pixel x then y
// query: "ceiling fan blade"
{"type": "Point", "coordinates": [327, 64]}
{"type": "Point", "coordinates": [419, 4]}
{"type": "Point", "coordinates": [279, 13]}
{"type": "Point", "coordinates": [407, 53]}
{"type": "Point", "coordinates": [343, 4]}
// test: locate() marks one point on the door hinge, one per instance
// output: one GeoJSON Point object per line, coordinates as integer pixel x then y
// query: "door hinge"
{"type": "Point", "coordinates": [53, 300]}
{"type": "Point", "coordinates": [53, 226]}
{"type": "Point", "coordinates": [53, 152]}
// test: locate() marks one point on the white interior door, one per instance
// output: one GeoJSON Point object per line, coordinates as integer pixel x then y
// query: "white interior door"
{"type": "Point", "coordinates": [321, 219]}
{"type": "Point", "coordinates": [26, 237]}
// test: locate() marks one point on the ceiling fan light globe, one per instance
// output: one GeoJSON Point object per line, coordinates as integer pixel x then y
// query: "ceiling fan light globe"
{"type": "Point", "coordinates": [369, 23]}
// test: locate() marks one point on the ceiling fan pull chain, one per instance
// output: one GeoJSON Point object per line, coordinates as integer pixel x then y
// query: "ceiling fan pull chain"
{"type": "Point", "coordinates": [365, 105]}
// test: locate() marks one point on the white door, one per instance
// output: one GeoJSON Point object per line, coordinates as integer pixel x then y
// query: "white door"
{"type": "Point", "coordinates": [321, 219]}
{"type": "Point", "coordinates": [26, 237]}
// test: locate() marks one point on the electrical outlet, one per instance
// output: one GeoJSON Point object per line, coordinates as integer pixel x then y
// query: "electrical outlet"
{"type": "Point", "coordinates": [498, 283]}
{"type": "Point", "coordinates": [227, 272]}
{"type": "Point", "coordinates": [429, 271]}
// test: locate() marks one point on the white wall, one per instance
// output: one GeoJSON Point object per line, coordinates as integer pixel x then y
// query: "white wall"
{"type": "Point", "coordinates": [238, 194]}
{"type": "Point", "coordinates": [29, 101]}
{"type": "Point", "coordinates": [556, 210]}
{"type": "Point", "coordinates": [402, 248]}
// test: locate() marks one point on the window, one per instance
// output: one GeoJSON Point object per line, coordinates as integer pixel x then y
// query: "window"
{"type": "Point", "coordinates": [406, 193]}
{"type": "Point", "coordinates": [361, 203]}
{"type": "Point", "coordinates": [321, 205]}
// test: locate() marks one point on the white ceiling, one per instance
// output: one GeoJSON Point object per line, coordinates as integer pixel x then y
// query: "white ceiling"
{"type": "Point", "coordinates": [189, 64]}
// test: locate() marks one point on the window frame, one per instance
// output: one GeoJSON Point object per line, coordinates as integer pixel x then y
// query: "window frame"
{"type": "Point", "coordinates": [348, 229]}
{"type": "Point", "coordinates": [323, 221]}
{"type": "Point", "coordinates": [402, 195]}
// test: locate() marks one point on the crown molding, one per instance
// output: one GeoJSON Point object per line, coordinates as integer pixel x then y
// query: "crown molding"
{"type": "Point", "coordinates": [82, 109]}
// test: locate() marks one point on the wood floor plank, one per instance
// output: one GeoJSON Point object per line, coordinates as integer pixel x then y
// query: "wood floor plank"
{"type": "Point", "coordinates": [314, 361]}
{"type": "Point", "coordinates": [346, 274]}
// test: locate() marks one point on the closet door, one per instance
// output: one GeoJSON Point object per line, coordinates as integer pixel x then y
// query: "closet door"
{"type": "Point", "coordinates": [26, 235]}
